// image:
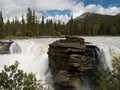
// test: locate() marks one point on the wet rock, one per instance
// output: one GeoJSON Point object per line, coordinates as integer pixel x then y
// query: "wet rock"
{"type": "Point", "coordinates": [4, 47]}
{"type": "Point", "coordinates": [70, 59]}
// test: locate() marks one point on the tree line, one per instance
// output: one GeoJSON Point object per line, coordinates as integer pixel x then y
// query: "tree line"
{"type": "Point", "coordinates": [95, 25]}
{"type": "Point", "coordinates": [32, 27]}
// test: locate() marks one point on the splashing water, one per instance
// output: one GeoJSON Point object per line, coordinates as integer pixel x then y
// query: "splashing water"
{"type": "Point", "coordinates": [106, 54]}
{"type": "Point", "coordinates": [32, 56]}
{"type": "Point", "coordinates": [15, 48]}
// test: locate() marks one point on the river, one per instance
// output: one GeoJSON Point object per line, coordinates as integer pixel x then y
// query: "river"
{"type": "Point", "coordinates": [32, 53]}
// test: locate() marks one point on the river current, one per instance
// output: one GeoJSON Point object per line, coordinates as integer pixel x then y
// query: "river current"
{"type": "Point", "coordinates": [32, 54]}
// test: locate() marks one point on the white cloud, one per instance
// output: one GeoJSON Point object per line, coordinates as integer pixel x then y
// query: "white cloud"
{"type": "Point", "coordinates": [12, 8]}
{"type": "Point", "coordinates": [77, 9]}
{"type": "Point", "coordinates": [52, 4]}
{"type": "Point", "coordinates": [62, 18]}
{"type": "Point", "coordinates": [80, 9]}
{"type": "Point", "coordinates": [99, 9]}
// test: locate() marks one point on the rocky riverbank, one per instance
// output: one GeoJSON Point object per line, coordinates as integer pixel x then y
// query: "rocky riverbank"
{"type": "Point", "coordinates": [71, 61]}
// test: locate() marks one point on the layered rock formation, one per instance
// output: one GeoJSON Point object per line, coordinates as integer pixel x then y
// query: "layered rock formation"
{"type": "Point", "coordinates": [4, 47]}
{"type": "Point", "coordinates": [71, 61]}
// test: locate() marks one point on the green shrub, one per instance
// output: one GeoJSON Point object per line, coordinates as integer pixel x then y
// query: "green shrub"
{"type": "Point", "coordinates": [11, 78]}
{"type": "Point", "coordinates": [105, 79]}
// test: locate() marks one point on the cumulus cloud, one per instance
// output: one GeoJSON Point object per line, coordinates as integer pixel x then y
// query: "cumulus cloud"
{"type": "Point", "coordinates": [99, 9]}
{"type": "Point", "coordinates": [62, 18]}
{"type": "Point", "coordinates": [12, 8]}
{"type": "Point", "coordinates": [77, 9]}
{"type": "Point", "coordinates": [53, 4]}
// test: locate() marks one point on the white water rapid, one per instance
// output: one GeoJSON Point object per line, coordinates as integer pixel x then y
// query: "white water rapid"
{"type": "Point", "coordinates": [108, 48]}
{"type": "Point", "coordinates": [32, 56]}
{"type": "Point", "coordinates": [106, 54]}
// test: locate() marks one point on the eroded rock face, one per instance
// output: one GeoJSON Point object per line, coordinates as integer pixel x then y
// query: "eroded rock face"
{"type": "Point", "coordinates": [4, 47]}
{"type": "Point", "coordinates": [71, 59]}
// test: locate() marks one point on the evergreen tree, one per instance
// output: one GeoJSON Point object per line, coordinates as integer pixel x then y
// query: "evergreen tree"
{"type": "Point", "coordinates": [33, 23]}
{"type": "Point", "coordinates": [17, 27]}
{"type": "Point", "coordinates": [52, 28]}
{"type": "Point", "coordinates": [97, 25]}
{"type": "Point", "coordinates": [47, 27]}
{"type": "Point", "coordinates": [29, 23]}
{"type": "Point", "coordinates": [42, 26]}
{"type": "Point", "coordinates": [7, 28]}
{"type": "Point", "coordinates": [1, 26]}
{"type": "Point", "coordinates": [23, 26]}
{"type": "Point", "coordinates": [37, 26]}
{"type": "Point", "coordinates": [71, 27]}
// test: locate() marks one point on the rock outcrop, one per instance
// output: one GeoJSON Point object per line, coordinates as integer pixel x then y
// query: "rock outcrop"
{"type": "Point", "coordinates": [4, 47]}
{"type": "Point", "coordinates": [71, 60]}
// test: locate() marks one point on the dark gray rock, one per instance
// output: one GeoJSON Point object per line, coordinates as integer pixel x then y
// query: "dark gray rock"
{"type": "Point", "coordinates": [4, 47]}
{"type": "Point", "coordinates": [71, 59]}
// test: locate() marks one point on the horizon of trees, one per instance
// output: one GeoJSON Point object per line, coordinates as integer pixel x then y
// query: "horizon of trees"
{"type": "Point", "coordinates": [32, 27]}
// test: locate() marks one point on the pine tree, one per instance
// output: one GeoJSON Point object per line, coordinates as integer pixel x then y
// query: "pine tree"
{"type": "Point", "coordinates": [47, 27]}
{"type": "Point", "coordinates": [7, 28]}
{"type": "Point", "coordinates": [17, 27]}
{"type": "Point", "coordinates": [23, 26]}
{"type": "Point", "coordinates": [71, 27]}
{"type": "Point", "coordinates": [29, 22]}
{"type": "Point", "coordinates": [1, 26]}
{"type": "Point", "coordinates": [42, 26]}
{"type": "Point", "coordinates": [52, 29]}
{"type": "Point", "coordinates": [33, 23]}
{"type": "Point", "coordinates": [37, 26]}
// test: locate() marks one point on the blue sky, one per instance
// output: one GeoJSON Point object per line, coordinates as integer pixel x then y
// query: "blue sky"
{"type": "Point", "coordinates": [104, 3]}
{"type": "Point", "coordinates": [58, 9]}
{"type": "Point", "coordinates": [48, 13]}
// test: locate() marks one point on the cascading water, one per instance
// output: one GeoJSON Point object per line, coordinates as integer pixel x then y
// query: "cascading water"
{"type": "Point", "coordinates": [32, 56]}
{"type": "Point", "coordinates": [106, 54]}
{"type": "Point", "coordinates": [14, 48]}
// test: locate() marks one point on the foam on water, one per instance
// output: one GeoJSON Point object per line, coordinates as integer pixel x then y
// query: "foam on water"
{"type": "Point", "coordinates": [106, 54]}
{"type": "Point", "coordinates": [31, 55]}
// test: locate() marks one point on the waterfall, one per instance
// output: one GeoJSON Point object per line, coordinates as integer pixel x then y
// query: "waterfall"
{"type": "Point", "coordinates": [14, 48]}
{"type": "Point", "coordinates": [32, 56]}
{"type": "Point", "coordinates": [105, 54]}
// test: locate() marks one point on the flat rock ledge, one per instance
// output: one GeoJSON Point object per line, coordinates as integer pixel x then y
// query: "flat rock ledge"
{"type": "Point", "coordinates": [71, 60]}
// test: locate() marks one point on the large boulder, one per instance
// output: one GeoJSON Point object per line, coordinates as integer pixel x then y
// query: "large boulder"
{"type": "Point", "coordinates": [71, 60]}
{"type": "Point", "coordinates": [4, 47]}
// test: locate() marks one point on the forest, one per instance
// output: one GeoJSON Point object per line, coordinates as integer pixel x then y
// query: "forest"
{"type": "Point", "coordinates": [31, 26]}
